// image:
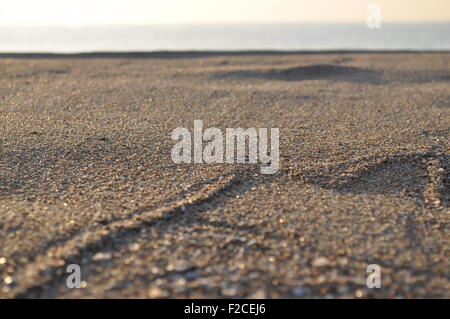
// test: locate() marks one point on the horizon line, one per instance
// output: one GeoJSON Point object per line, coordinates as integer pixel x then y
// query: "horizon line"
{"type": "Point", "coordinates": [170, 54]}
{"type": "Point", "coordinates": [220, 23]}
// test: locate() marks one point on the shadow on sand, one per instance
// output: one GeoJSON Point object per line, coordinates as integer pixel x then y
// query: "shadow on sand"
{"type": "Point", "coordinates": [310, 72]}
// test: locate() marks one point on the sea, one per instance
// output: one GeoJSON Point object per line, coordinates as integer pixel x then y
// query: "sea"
{"type": "Point", "coordinates": [217, 37]}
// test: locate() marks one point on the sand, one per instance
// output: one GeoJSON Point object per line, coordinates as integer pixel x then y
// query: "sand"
{"type": "Point", "coordinates": [86, 176]}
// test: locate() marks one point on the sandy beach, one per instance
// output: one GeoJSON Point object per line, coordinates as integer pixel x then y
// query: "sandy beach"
{"type": "Point", "coordinates": [86, 176]}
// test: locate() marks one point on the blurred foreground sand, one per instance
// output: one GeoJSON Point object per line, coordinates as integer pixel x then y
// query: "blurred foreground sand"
{"type": "Point", "coordinates": [86, 176]}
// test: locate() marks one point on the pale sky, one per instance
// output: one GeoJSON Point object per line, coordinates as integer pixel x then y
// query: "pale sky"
{"type": "Point", "coordinates": [126, 12]}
